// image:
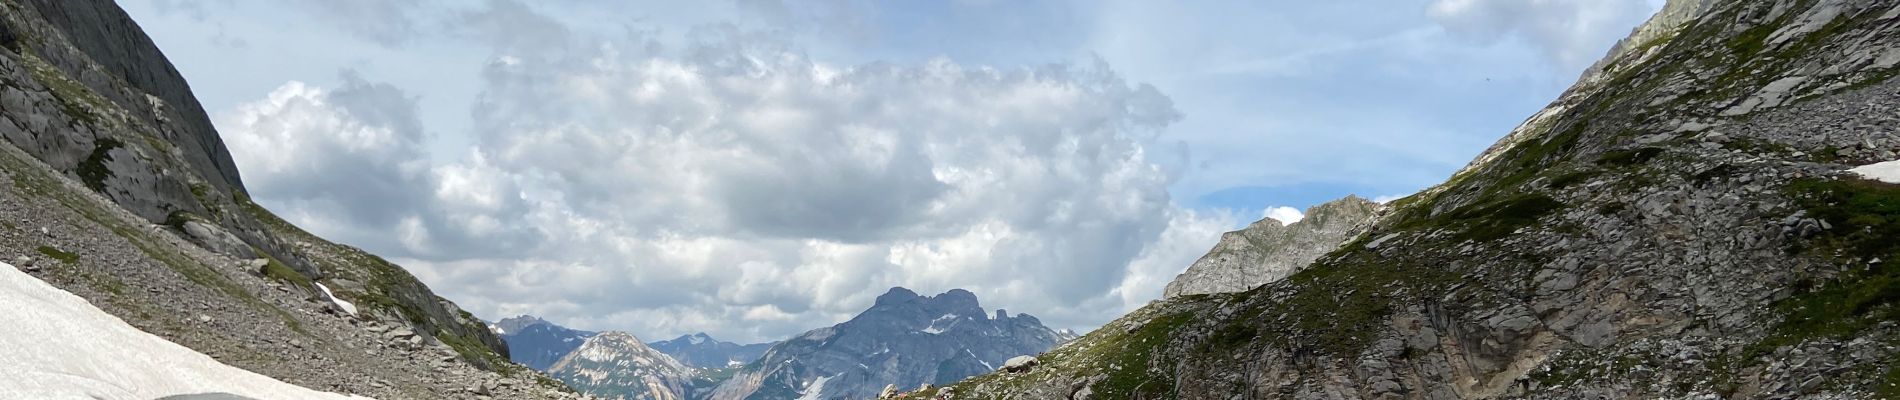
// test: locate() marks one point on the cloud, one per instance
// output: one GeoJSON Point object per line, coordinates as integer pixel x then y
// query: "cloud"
{"type": "Point", "coordinates": [351, 163]}
{"type": "Point", "coordinates": [390, 23]}
{"type": "Point", "coordinates": [733, 184]}
{"type": "Point", "coordinates": [1572, 33]}
{"type": "Point", "coordinates": [1286, 215]}
{"type": "Point", "coordinates": [386, 22]}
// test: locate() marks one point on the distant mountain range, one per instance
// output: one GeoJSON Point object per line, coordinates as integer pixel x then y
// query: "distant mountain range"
{"type": "Point", "coordinates": [700, 350]}
{"type": "Point", "coordinates": [537, 343]}
{"type": "Point", "coordinates": [904, 339]}
{"type": "Point", "coordinates": [618, 365]}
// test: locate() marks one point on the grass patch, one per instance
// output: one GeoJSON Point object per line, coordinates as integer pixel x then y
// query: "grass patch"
{"type": "Point", "coordinates": [1492, 220]}
{"type": "Point", "coordinates": [1128, 376]}
{"type": "Point", "coordinates": [57, 254]}
{"type": "Point", "coordinates": [94, 171]}
{"type": "Point", "coordinates": [1866, 219]}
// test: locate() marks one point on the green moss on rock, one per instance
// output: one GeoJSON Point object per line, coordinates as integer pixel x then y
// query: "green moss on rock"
{"type": "Point", "coordinates": [94, 169]}
{"type": "Point", "coordinates": [57, 254]}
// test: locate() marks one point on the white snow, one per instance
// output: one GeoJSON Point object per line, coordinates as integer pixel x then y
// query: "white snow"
{"type": "Point", "coordinates": [58, 346]}
{"type": "Point", "coordinates": [986, 364]}
{"type": "Point", "coordinates": [933, 329]}
{"type": "Point", "coordinates": [340, 303]}
{"type": "Point", "coordinates": [1888, 172]}
{"type": "Point", "coordinates": [817, 388]}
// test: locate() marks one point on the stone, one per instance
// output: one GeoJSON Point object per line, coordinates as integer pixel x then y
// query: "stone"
{"type": "Point", "coordinates": [1020, 364]}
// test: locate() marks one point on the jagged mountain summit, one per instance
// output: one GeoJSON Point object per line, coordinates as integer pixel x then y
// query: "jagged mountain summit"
{"type": "Point", "coordinates": [1681, 223]}
{"type": "Point", "coordinates": [617, 365]}
{"type": "Point", "coordinates": [118, 190]}
{"type": "Point", "coordinates": [537, 343]}
{"type": "Point", "coordinates": [700, 350]}
{"type": "Point", "coordinates": [904, 339]}
{"type": "Point", "coordinates": [1268, 250]}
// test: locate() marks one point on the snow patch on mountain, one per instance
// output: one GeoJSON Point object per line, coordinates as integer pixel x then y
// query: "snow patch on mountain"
{"type": "Point", "coordinates": [341, 304]}
{"type": "Point", "coordinates": [59, 346]}
{"type": "Point", "coordinates": [816, 389]}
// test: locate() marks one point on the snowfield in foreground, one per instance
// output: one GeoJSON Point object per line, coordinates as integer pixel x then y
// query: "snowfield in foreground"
{"type": "Point", "coordinates": [58, 346]}
{"type": "Point", "coordinates": [1888, 172]}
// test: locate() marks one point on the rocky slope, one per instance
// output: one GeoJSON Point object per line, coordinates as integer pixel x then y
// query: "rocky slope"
{"type": "Point", "coordinates": [537, 343]}
{"type": "Point", "coordinates": [617, 365]}
{"type": "Point", "coordinates": [700, 350]}
{"type": "Point", "coordinates": [1268, 250]}
{"type": "Point", "coordinates": [1676, 225]}
{"type": "Point", "coordinates": [904, 339]}
{"type": "Point", "coordinates": [119, 190]}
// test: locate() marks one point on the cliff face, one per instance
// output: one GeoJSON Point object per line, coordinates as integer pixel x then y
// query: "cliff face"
{"type": "Point", "coordinates": [1268, 251]}
{"type": "Point", "coordinates": [1677, 225]}
{"type": "Point", "coordinates": [121, 191]}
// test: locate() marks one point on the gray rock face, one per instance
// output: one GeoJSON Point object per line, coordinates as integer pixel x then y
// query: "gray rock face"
{"type": "Point", "coordinates": [700, 350]}
{"type": "Point", "coordinates": [1677, 225]}
{"type": "Point", "coordinates": [1267, 251]}
{"type": "Point", "coordinates": [617, 365]}
{"type": "Point", "coordinates": [904, 340]}
{"type": "Point", "coordinates": [214, 238]}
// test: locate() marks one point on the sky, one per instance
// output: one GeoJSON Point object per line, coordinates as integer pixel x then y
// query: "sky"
{"type": "Point", "coordinates": [756, 168]}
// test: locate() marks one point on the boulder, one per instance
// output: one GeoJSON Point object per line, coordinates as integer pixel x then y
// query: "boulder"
{"type": "Point", "coordinates": [1019, 364]}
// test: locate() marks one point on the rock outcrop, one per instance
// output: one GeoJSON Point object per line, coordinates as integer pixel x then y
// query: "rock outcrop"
{"type": "Point", "coordinates": [114, 171]}
{"type": "Point", "coordinates": [1268, 250]}
{"type": "Point", "coordinates": [1677, 225]}
{"type": "Point", "coordinates": [904, 339]}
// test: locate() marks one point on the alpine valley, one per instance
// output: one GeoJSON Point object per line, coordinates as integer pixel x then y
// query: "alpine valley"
{"type": "Point", "coordinates": [1711, 212]}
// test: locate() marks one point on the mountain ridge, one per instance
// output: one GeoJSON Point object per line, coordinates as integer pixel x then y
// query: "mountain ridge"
{"type": "Point", "coordinates": [1269, 250]}
{"type": "Point", "coordinates": [903, 339]}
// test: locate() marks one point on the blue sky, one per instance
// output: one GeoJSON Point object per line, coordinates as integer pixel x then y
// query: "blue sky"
{"type": "Point", "coordinates": [753, 168]}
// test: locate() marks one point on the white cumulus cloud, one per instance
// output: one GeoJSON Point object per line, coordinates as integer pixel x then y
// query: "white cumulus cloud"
{"type": "Point", "coordinates": [734, 185]}
{"type": "Point", "coordinates": [1286, 215]}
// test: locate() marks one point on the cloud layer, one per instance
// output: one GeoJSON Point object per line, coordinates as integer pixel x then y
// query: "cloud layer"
{"type": "Point", "coordinates": [733, 184]}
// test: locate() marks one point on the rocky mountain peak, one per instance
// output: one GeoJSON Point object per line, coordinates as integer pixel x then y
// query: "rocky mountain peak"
{"type": "Point", "coordinates": [897, 295]}
{"type": "Point", "coordinates": [905, 340]}
{"type": "Point", "coordinates": [958, 301]}
{"type": "Point", "coordinates": [1268, 251]}
{"type": "Point", "coordinates": [517, 323]}
{"type": "Point", "coordinates": [617, 364]}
